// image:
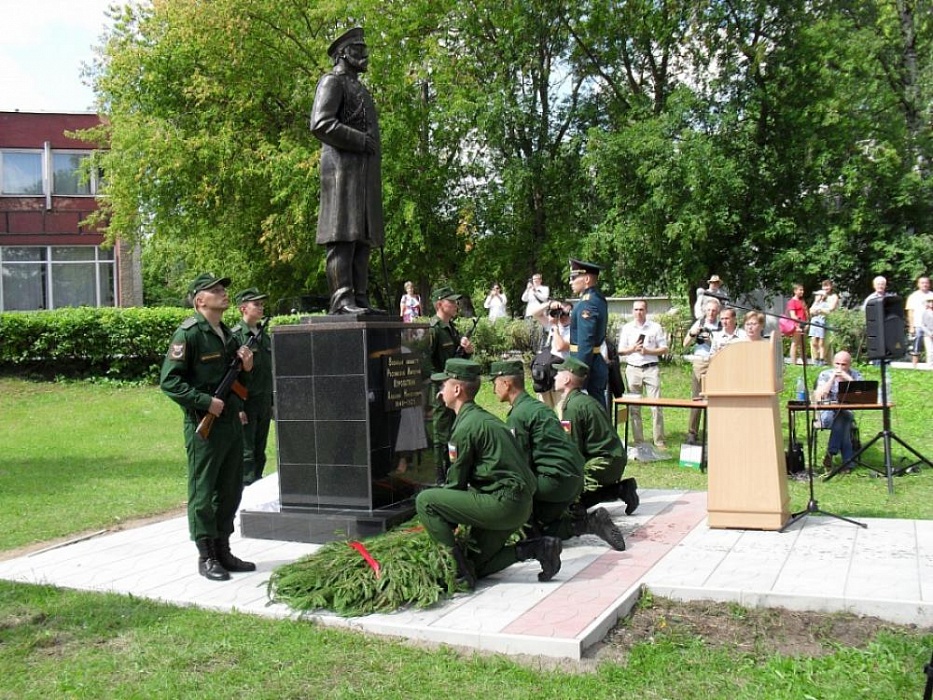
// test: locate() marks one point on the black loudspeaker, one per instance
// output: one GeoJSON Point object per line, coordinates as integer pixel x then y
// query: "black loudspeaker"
{"type": "Point", "coordinates": [884, 325]}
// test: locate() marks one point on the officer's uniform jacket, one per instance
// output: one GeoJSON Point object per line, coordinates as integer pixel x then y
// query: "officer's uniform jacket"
{"type": "Point", "coordinates": [588, 323]}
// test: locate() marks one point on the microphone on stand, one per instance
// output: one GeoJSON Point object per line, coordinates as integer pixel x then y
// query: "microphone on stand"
{"type": "Point", "coordinates": [716, 295]}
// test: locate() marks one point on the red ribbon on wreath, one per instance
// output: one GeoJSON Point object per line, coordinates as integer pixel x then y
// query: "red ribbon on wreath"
{"type": "Point", "coordinates": [361, 548]}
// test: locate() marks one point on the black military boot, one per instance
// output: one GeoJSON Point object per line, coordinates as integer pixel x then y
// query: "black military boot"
{"type": "Point", "coordinates": [463, 565]}
{"type": "Point", "coordinates": [599, 523]}
{"type": "Point", "coordinates": [208, 565]}
{"type": "Point", "coordinates": [227, 560]}
{"type": "Point", "coordinates": [546, 550]}
{"type": "Point", "coordinates": [628, 492]}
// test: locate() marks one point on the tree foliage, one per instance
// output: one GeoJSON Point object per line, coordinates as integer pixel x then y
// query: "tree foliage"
{"type": "Point", "coordinates": [767, 142]}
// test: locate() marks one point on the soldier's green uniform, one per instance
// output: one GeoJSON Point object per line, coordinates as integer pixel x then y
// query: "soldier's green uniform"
{"type": "Point", "coordinates": [588, 424]}
{"type": "Point", "coordinates": [443, 344]}
{"type": "Point", "coordinates": [258, 404]}
{"type": "Point", "coordinates": [555, 460]}
{"type": "Point", "coordinates": [196, 361]}
{"type": "Point", "coordinates": [489, 485]}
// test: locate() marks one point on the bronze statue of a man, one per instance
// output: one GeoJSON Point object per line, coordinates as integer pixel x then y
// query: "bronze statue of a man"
{"type": "Point", "coordinates": [350, 219]}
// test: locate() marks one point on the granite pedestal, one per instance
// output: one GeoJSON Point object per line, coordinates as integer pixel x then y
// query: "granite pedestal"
{"type": "Point", "coordinates": [349, 399]}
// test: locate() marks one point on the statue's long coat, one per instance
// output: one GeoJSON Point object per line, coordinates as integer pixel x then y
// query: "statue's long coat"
{"type": "Point", "coordinates": [351, 178]}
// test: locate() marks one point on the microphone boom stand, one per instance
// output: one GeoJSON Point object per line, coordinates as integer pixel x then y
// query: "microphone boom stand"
{"type": "Point", "coordinates": [813, 506]}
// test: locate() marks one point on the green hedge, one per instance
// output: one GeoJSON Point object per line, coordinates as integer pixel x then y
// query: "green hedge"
{"type": "Point", "coordinates": [125, 344]}
{"type": "Point", "coordinates": [129, 344]}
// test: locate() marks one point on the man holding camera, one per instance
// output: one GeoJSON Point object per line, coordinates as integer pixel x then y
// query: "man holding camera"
{"type": "Point", "coordinates": [700, 336]}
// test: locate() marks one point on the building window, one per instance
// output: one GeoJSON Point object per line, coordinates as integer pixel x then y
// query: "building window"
{"type": "Point", "coordinates": [52, 277]}
{"type": "Point", "coordinates": [21, 172]}
{"type": "Point", "coordinates": [68, 175]}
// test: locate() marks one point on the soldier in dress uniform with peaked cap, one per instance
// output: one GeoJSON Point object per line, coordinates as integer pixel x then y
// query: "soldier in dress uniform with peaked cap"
{"type": "Point", "coordinates": [350, 218]}
{"type": "Point", "coordinates": [588, 323]}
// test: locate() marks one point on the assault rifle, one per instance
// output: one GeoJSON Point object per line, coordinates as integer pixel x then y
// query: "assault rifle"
{"type": "Point", "coordinates": [231, 382]}
{"type": "Point", "coordinates": [459, 351]}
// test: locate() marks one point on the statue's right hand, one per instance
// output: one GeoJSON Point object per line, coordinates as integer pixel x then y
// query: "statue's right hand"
{"type": "Point", "coordinates": [371, 145]}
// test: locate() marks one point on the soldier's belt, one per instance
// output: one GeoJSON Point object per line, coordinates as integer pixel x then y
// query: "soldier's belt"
{"type": "Point", "coordinates": [576, 348]}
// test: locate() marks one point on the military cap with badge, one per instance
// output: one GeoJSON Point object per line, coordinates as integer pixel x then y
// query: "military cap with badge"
{"type": "Point", "coordinates": [460, 369]}
{"type": "Point", "coordinates": [206, 280]}
{"type": "Point", "coordinates": [573, 365]}
{"type": "Point", "coordinates": [249, 294]}
{"type": "Point", "coordinates": [507, 368]}
{"type": "Point", "coordinates": [441, 293]}
{"type": "Point", "coordinates": [581, 267]}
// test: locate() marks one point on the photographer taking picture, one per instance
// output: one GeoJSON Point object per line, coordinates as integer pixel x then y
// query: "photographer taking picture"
{"type": "Point", "coordinates": [556, 323]}
{"type": "Point", "coordinates": [700, 336]}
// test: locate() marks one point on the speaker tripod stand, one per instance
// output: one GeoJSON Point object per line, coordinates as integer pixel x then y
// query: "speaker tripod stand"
{"type": "Point", "coordinates": [886, 436]}
{"type": "Point", "coordinates": [813, 506]}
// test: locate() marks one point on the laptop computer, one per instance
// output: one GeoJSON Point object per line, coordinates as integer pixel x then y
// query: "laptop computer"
{"type": "Point", "coordinates": [861, 391]}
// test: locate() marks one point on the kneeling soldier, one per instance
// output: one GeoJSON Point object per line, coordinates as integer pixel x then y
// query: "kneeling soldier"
{"type": "Point", "coordinates": [588, 424]}
{"type": "Point", "coordinates": [489, 486]}
{"type": "Point", "coordinates": [555, 460]}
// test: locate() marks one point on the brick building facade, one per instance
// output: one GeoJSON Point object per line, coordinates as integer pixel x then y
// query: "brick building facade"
{"type": "Point", "coordinates": [48, 258]}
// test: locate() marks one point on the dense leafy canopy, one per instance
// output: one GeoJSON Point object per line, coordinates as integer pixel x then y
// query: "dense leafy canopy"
{"type": "Point", "coordinates": [768, 142]}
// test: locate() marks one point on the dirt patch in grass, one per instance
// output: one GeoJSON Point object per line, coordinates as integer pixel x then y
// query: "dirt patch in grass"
{"type": "Point", "coordinates": [758, 631]}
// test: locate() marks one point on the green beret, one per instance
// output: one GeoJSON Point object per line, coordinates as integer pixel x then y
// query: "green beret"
{"type": "Point", "coordinates": [444, 293]}
{"type": "Point", "coordinates": [573, 365]}
{"type": "Point", "coordinates": [205, 281]}
{"type": "Point", "coordinates": [507, 368]}
{"type": "Point", "coordinates": [250, 294]}
{"type": "Point", "coordinates": [458, 368]}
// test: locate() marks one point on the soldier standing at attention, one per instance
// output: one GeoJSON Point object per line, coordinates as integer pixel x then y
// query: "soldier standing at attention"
{"type": "Point", "coordinates": [588, 326]}
{"type": "Point", "coordinates": [554, 459]}
{"type": "Point", "coordinates": [258, 406]}
{"type": "Point", "coordinates": [197, 359]}
{"type": "Point", "coordinates": [445, 342]}
{"type": "Point", "coordinates": [489, 487]}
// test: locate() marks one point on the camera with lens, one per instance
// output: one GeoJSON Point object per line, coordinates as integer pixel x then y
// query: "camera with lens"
{"type": "Point", "coordinates": [704, 336]}
{"type": "Point", "coordinates": [554, 313]}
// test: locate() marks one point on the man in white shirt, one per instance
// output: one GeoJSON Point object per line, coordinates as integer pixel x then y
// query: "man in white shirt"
{"type": "Point", "coordinates": [916, 305]}
{"type": "Point", "coordinates": [642, 343]}
{"type": "Point", "coordinates": [700, 336]}
{"type": "Point", "coordinates": [535, 296]}
{"type": "Point", "coordinates": [717, 291]}
{"type": "Point", "coordinates": [880, 286]}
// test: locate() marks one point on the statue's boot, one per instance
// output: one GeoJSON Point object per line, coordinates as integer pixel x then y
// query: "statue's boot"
{"type": "Point", "coordinates": [361, 279]}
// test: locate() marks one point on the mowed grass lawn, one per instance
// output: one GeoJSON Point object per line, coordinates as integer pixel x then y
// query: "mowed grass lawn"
{"type": "Point", "coordinates": [80, 457]}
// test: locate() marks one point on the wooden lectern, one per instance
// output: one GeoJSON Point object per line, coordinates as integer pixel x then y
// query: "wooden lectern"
{"type": "Point", "coordinates": [747, 474]}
